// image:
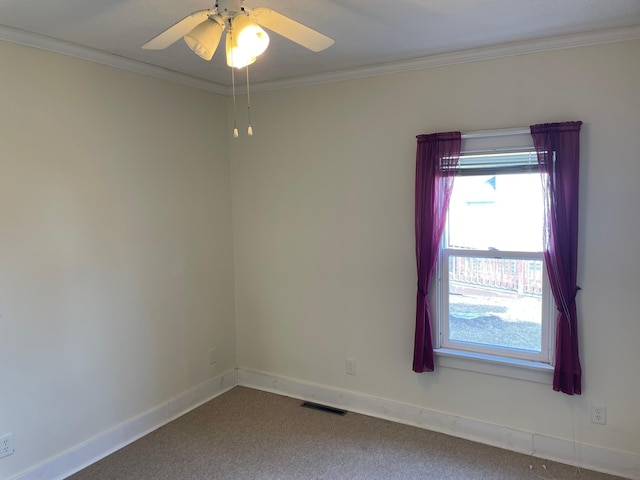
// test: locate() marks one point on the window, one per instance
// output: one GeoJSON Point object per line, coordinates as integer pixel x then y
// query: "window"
{"type": "Point", "coordinates": [493, 294]}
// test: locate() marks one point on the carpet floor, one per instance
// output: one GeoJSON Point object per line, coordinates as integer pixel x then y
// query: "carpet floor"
{"type": "Point", "coordinates": [250, 434]}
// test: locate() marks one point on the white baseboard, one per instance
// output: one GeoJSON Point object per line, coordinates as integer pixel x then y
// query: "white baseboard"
{"type": "Point", "coordinates": [600, 459]}
{"type": "Point", "coordinates": [98, 447]}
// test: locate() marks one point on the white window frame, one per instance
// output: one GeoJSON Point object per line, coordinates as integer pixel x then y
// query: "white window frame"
{"type": "Point", "coordinates": [497, 361]}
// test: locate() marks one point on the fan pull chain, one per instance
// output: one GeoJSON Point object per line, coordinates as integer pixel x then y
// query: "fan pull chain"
{"type": "Point", "coordinates": [249, 128]}
{"type": "Point", "coordinates": [233, 89]}
{"type": "Point", "coordinates": [235, 113]}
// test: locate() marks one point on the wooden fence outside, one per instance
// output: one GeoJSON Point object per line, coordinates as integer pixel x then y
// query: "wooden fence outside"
{"type": "Point", "coordinates": [522, 276]}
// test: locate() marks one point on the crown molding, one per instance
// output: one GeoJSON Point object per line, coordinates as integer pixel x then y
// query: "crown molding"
{"type": "Point", "coordinates": [28, 39]}
{"type": "Point", "coordinates": [547, 44]}
{"type": "Point", "coordinates": [453, 58]}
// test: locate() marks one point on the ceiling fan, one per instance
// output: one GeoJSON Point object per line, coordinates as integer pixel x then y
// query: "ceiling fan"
{"type": "Point", "coordinates": [245, 40]}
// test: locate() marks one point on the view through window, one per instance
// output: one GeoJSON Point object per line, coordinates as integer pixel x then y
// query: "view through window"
{"type": "Point", "coordinates": [494, 296]}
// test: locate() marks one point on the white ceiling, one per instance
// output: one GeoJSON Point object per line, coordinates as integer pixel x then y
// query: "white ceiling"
{"type": "Point", "coordinates": [366, 32]}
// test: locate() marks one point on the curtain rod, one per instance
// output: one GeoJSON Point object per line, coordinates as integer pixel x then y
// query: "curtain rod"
{"type": "Point", "coordinates": [497, 133]}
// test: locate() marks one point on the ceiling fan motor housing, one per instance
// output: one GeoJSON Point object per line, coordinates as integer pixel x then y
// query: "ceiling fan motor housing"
{"type": "Point", "coordinates": [229, 7]}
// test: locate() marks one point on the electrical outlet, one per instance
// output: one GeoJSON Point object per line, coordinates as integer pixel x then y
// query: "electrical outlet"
{"type": "Point", "coordinates": [6, 445]}
{"type": "Point", "coordinates": [599, 414]}
{"type": "Point", "coordinates": [212, 356]}
{"type": "Point", "coordinates": [351, 366]}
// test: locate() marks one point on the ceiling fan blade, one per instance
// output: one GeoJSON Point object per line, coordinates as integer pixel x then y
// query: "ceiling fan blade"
{"type": "Point", "coordinates": [289, 28]}
{"type": "Point", "coordinates": [177, 30]}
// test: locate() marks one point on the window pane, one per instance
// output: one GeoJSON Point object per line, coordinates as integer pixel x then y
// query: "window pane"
{"type": "Point", "coordinates": [496, 212]}
{"type": "Point", "coordinates": [496, 302]}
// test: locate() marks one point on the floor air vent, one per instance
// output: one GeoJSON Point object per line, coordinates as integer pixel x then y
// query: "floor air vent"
{"type": "Point", "coordinates": [324, 408]}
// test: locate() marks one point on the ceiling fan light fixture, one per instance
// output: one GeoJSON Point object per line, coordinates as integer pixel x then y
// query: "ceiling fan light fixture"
{"type": "Point", "coordinates": [250, 36]}
{"type": "Point", "coordinates": [246, 40]}
{"type": "Point", "coordinates": [204, 38]}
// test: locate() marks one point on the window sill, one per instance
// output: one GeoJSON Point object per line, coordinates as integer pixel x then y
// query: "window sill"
{"type": "Point", "coordinates": [493, 365]}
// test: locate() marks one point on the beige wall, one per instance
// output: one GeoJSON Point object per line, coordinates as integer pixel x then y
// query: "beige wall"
{"type": "Point", "coordinates": [116, 274]}
{"type": "Point", "coordinates": [324, 246]}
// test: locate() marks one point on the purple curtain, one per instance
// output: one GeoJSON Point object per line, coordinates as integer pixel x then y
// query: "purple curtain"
{"type": "Point", "coordinates": [558, 149]}
{"type": "Point", "coordinates": [436, 162]}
